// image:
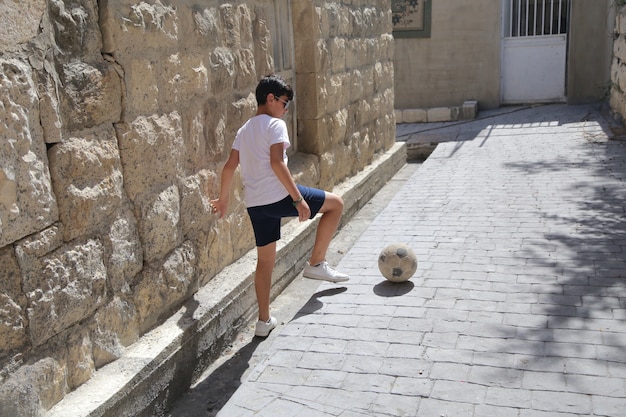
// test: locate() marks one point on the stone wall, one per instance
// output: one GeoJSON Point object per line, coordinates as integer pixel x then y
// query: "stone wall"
{"type": "Point", "coordinates": [117, 116]}
{"type": "Point", "coordinates": [618, 66]}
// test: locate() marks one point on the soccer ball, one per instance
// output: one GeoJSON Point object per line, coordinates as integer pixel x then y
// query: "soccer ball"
{"type": "Point", "coordinates": [397, 262]}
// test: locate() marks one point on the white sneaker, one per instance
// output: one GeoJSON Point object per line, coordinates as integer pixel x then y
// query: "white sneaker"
{"type": "Point", "coordinates": [263, 328]}
{"type": "Point", "coordinates": [324, 272]}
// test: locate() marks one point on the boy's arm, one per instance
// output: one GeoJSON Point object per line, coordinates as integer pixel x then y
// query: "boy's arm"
{"type": "Point", "coordinates": [284, 176]}
{"type": "Point", "coordinates": [220, 205]}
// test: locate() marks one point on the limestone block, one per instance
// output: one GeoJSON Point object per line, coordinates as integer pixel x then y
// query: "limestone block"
{"type": "Point", "coordinates": [618, 102]}
{"type": "Point", "coordinates": [263, 54]}
{"type": "Point", "coordinates": [76, 29]}
{"type": "Point", "coordinates": [388, 46]}
{"type": "Point", "coordinates": [70, 287]}
{"type": "Point", "coordinates": [206, 27]}
{"type": "Point", "coordinates": [182, 77]}
{"type": "Point", "coordinates": [129, 27]}
{"type": "Point", "coordinates": [469, 110]}
{"type": "Point", "coordinates": [618, 74]}
{"type": "Point", "coordinates": [27, 203]}
{"type": "Point", "coordinates": [50, 106]}
{"type": "Point", "coordinates": [313, 136]}
{"type": "Point", "coordinates": [336, 94]}
{"type": "Point", "coordinates": [362, 114]}
{"type": "Point", "coordinates": [20, 21]}
{"type": "Point", "coordinates": [196, 214]}
{"type": "Point", "coordinates": [620, 26]}
{"type": "Point", "coordinates": [32, 389]}
{"type": "Point", "coordinates": [159, 222]}
{"type": "Point", "coordinates": [230, 24]}
{"type": "Point", "coordinates": [353, 60]}
{"type": "Point", "coordinates": [222, 65]}
{"type": "Point", "coordinates": [237, 114]}
{"type": "Point", "coordinates": [338, 126]}
{"type": "Point", "coordinates": [328, 167]}
{"type": "Point", "coordinates": [311, 94]}
{"type": "Point", "coordinates": [114, 327]}
{"type": "Point", "coordinates": [619, 48]}
{"type": "Point", "coordinates": [124, 255]}
{"type": "Point", "coordinates": [367, 81]}
{"type": "Point", "coordinates": [337, 55]}
{"type": "Point", "coordinates": [414, 116]}
{"type": "Point", "coordinates": [355, 90]}
{"type": "Point", "coordinates": [162, 288]}
{"type": "Point", "coordinates": [80, 365]}
{"type": "Point", "coordinates": [152, 153]}
{"type": "Point", "coordinates": [92, 95]}
{"type": "Point", "coordinates": [87, 177]}
{"type": "Point", "coordinates": [305, 169]}
{"type": "Point", "coordinates": [142, 88]}
{"type": "Point", "coordinates": [12, 303]}
{"type": "Point", "coordinates": [311, 50]}
{"type": "Point", "coordinates": [439, 114]}
{"type": "Point", "coordinates": [245, 70]}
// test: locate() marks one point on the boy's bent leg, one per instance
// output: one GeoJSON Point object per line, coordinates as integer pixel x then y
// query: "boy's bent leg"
{"type": "Point", "coordinates": [266, 257]}
{"type": "Point", "coordinates": [331, 215]}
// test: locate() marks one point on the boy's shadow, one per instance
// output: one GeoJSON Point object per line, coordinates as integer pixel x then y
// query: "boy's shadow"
{"type": "Point", "coordinates": [315, 304]}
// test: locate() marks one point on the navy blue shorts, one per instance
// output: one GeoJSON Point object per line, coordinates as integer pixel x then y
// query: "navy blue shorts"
{"type": "Point", "coordinates": [266, 219]}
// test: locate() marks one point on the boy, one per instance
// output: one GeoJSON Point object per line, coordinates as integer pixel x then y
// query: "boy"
{"type": "Point", "coordinates": [271, 193]}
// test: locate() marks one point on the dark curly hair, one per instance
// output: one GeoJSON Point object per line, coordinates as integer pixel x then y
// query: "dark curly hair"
{"type": "Point", "coordinates": [274, 84]}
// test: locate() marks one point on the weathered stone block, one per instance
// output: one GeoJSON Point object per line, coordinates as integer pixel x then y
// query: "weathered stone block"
{"type": "Point", "coordinates": [263, 54]}
{"type": "Point", "coordinates": [166, 286]}
{"type": "Point", "coordinates": [21, 20]}
{"type": "Point", "coordinates": [91, 95]}
{"type": "Point", "coordinates": [152, 153]}
{"type": "Point", "coordinates": [70, 286]}
{"type": "Point", "coordinates": [124, 255]}
{"type": "Point", "coordinates": [76, 30]}
{"type": "Point", "coordinates": [439, 114]}
{"type": "Point", "coordinates": [80, 366]}
{"type": "Point", "coordinates": [311, 93]}
{"type": "Point", "coordinates": [197, 216]}
{"type": "Point", "coordinates": [130, 27]}
{"type": "Point", "coordinates": [414, 116]}
{"type": "Point", "coordinates": [222, 62]}
{"type": "Point", "coordinates": [159, 222]}
{"type": "Point", "coordinates": [337, 55]}
{"type": "Point", "coordinates": [27, 203]}
{"type": "Point", "coordinates": [142, 88]}
{"type": "Point", "coordinates": [32, 389]}
{"type": "Point", "coordinates": [619, 48]}
{"type": "Point", "coordinates": [114, 327]}
{"type": "Point", "coordinates": [87, 176]}
{"type": "Point", "coordinates": [12, 303]}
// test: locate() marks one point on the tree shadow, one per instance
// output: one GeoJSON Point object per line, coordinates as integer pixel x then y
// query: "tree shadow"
{"type": "Point", "coordinates": [580, 256]}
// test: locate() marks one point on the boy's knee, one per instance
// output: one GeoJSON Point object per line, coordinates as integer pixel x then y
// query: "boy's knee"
{"type": "Point", "coordinates": [337, 201]}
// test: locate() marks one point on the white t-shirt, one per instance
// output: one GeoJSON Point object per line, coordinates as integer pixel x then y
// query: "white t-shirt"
{"type": "Point", "coordinates": [253, 142]}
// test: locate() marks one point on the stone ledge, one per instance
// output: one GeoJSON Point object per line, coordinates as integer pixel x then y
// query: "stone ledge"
{"type": "Point", "coordinates": [467, 111]}
{"type": "Point", "coordinates": [158, 368]}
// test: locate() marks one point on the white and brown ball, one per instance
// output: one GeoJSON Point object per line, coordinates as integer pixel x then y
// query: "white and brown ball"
{"type": "Point", "coordinates": [397, 262]}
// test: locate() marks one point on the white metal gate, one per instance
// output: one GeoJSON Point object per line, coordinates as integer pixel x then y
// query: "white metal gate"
{"type": "Point", "coordinates": [534, 50]}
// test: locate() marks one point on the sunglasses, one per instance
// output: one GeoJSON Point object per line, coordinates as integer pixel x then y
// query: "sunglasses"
{"type": "Point", "coordinates": [285, 103]}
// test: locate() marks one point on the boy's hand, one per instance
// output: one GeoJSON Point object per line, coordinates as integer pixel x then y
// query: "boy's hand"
{"type": "Point", "coordinates": [219, 207]}
{"type": "Point", "coordinates": [304, 211]}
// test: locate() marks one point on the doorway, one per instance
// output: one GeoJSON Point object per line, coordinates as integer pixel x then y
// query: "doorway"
{"type": "Point", "coordinates": [534, 51]}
